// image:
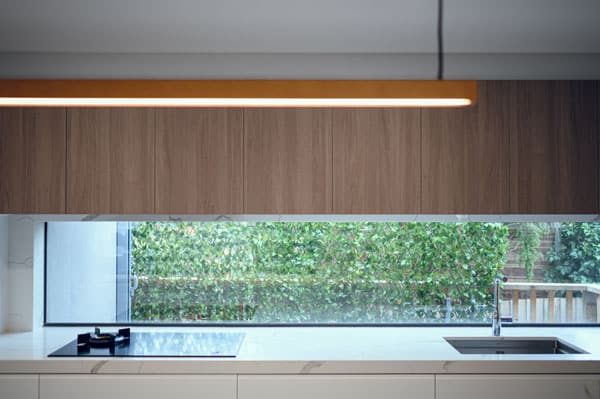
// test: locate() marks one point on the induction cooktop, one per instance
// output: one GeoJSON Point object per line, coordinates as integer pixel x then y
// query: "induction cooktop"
{"type": "Point", "coordinates": [152, 344]}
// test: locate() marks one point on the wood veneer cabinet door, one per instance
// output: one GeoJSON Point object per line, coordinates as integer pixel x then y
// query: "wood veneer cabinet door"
{"type": "Point", "coordinates": [287, 161]}
{"type": "Point", "coordinates": [466, 155]}
{"type": "Point", "coordinates": [376, 161]}
{"type": "Point", "coordinates": [199, 161]}
{"type": "Point", "coordinates": [32, 160]}
{"type": "Point", "coordinates": [554, 147]}
{"type": "Point", "coordinates": [110, 160]}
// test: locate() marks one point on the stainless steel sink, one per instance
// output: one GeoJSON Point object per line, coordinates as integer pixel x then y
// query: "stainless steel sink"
{"type": "Point", "coordinates": [512, 346]}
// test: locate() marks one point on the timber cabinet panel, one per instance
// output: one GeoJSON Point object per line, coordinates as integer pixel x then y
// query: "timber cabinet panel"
{"type": "Point", "coordinates": [199, 161]}
{"type": "Point", "coordinates": [376, 161]}
{"type": "Point", "coordinates": [110, 160]}
{"type": "Point", "coordinates": [466, 155]}
{"type": "Point", "coordinates": [554, 146]}
{"type": "Point", "coordinates": [32, 160]}
{"type": "Point", "coordinates": [287, 161]}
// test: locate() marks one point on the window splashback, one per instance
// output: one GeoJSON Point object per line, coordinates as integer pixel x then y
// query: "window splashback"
{"type": "Point", "coordinates": [321, 272]}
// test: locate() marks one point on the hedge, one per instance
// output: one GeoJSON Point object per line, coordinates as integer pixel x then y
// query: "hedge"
{"type": "Point", "coordinates": [315, 272]}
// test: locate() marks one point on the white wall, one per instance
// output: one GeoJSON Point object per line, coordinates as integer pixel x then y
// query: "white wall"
{"type": "Point", "coordinates": [19, 316]}
{"type": "Point", "coordinates": [81, 272]}
{"type": "Point", "coordinates": [297, 66]}
{"type": "Point", "coordinates": [3, 271]}
{"type": "Point", "coordinates": [39, 246]}
{"type": "Point", "coordinates": [22, 283]}
{"type": "Point", "coordinates": [22, 270]}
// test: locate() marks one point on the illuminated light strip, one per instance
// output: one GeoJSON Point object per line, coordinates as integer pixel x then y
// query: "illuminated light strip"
{"type": "Point", "coordinates": [238, 93]}
{"type": "Point", "coordinates": [234, 102]}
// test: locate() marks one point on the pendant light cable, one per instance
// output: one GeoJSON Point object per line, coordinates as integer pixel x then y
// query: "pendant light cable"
{"type": "Point", "coordinates": [440, 39]}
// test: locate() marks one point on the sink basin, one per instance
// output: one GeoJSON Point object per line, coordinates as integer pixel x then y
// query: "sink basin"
{"type": "Point", "coordinates": [513, 346]}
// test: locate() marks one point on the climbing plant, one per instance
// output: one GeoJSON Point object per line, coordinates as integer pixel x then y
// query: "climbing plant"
{"type": "Point", "coordinates": [315, 272]}
{"type": "Point", "coordinates": [575, 258]}
{"type": "Point", "coordinates": [528, 237]}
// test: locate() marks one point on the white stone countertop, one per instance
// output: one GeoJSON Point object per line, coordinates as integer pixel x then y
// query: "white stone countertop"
{"type": "Point", "coordinates": [314, 350]}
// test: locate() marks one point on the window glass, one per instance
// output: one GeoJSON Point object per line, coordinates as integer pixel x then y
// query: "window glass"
{"type": "Point", "coordinates": [321, 272]}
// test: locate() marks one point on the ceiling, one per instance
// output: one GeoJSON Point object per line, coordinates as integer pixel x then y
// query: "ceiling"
{"type": "Point", "coordinates": [329, 39]}
{"type": "Point", "coordinates": [292, 26]}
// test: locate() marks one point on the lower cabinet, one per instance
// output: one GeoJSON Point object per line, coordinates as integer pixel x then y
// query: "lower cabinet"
{"type": "Point", "coordinates": [336, 386]}
{"type": "Point", "coordinates": [137, 387]}
{"type": "Point", "coordinates": [18, 386]}
{"type": "Point", "coordinates": [300, 386]}
{"type": "Point", "coordinates": [518, 386]}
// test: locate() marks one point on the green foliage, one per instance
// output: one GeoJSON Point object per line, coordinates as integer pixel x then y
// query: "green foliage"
{"type": "Point", "coordinates": [528, 237]}
{"type": "Point", "coordinates": [315, 272]}
{"type": "Point", "coordinates": [576, 258]}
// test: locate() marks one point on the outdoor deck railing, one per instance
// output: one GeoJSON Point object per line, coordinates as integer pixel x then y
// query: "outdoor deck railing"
{"type": "Point", "coordinates": [552, 302]}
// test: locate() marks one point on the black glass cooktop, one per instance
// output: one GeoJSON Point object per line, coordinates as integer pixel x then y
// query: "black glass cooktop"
{"type": "Point", "coordinates": [161, 344]}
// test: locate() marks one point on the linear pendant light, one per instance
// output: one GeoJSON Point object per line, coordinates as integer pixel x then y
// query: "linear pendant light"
{"type": "Point", "coordinates": [245, 93]}
{"type": "Point", "coordinates": [239, 93]}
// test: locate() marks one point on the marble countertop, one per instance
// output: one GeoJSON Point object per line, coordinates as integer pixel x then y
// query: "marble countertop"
{"type": "Point", "coordinates": [315, 350]}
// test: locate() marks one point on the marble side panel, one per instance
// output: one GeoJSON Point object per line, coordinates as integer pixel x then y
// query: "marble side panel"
{"type": "Point", "coordinates": [3, 271]}
{"type": "Point", "coordinates": [20, 299]}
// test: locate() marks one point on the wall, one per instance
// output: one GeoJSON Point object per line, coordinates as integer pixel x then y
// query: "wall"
{"type": "Point", "coordinates": [20, 273]}
{"type": "Point", "coordinates": [3, 270]}
{"type": "Point", "coordinates": [76, 253]}
{"type": "Point", "coordinates": [22, 270]}
{"type": "Point", "coordinates": [21, 65]}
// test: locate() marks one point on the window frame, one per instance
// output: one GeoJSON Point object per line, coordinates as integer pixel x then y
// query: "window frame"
{"type": "Point", "coordinates": [127, 241]}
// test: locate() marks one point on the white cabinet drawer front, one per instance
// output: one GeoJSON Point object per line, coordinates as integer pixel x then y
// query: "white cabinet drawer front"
{"type": "Point", "coordinates": [336, 387]}
{"type": "Point", "coordinates": [521, 386]}
{"type": "Point", "coordinates": [137, 387]}
{"type": "Point", "coordinates": [18, 386]}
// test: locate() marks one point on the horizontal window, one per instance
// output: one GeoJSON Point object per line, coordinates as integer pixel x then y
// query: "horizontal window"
{"type": "Point", "coordinates": [321, 272]}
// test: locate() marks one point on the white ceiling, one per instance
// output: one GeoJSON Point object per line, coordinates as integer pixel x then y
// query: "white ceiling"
{"type": "Point", "coordinates": [298, 26]}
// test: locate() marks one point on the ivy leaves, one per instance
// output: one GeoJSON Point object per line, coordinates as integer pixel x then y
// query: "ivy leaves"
{"type": "Point", "coordinates": [333, 272]}
{"type": "Point", "coordinates": [576, 257]}
{"type": "Point", "coordinates": [528, 237]}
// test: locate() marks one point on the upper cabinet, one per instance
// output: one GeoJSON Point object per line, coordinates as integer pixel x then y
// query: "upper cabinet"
{"type": "Point", "coordinates": [110, 161]}
{"type": "Point", "coordinates": [554, 129]}
{"type": "Point", "coordinates": [32, 160]}
{"type": "Point", "coordinates": [199, 161]}
{"type": "Point", "coordinates": [376, 161]}
{"type": "Point", "coordinates": [287, 158]}
{"type": "Point", "coordinates": [526, 147]}
{"type": "Point", "coordinates": [466, 155]}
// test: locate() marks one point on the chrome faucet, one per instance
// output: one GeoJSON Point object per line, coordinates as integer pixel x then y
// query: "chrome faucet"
{"type": "Point", "coordinates": [496, 318]}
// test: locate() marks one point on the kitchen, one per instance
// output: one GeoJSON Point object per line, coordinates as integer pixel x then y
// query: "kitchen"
{"type": "Point", "coordinates": [347, 246]}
